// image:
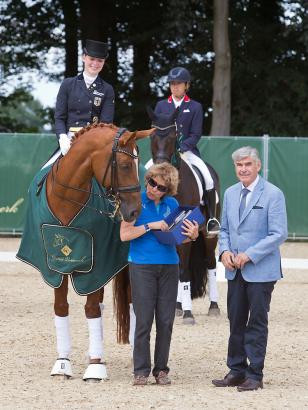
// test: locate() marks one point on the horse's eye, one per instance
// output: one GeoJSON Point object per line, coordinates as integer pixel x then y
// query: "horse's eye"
{"type": "Point", "coordinates": [125, 165]}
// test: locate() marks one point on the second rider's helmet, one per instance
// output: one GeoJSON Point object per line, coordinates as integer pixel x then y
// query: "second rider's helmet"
{"type": "Point", "coordinates": [180, 74]}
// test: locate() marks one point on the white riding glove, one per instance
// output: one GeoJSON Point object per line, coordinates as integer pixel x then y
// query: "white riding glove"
{"type": "Point", "coordinates": [65, 143]}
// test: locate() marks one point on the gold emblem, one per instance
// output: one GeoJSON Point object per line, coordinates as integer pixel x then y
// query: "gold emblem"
{"type": "Point", "coordinates": [97, 101]}
{"type": "Point", "coordinates": [66, 250]}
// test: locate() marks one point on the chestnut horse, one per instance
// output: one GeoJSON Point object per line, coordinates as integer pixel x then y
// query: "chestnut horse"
{"type": "Point", "coordinates": [102, 155]}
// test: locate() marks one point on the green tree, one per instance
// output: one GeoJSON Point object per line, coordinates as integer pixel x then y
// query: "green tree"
{"type": "Point", "coordinates": [269, 70]}
{"type": "Point", "coordinates": [20, 112]}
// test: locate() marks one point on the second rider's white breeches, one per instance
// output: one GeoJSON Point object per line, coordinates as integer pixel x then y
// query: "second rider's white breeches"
{"type": "Point", "coordinates": [195, 160]}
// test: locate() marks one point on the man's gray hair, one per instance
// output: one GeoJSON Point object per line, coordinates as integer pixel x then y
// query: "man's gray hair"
{"type": "Point", "coordinates": [244, 152]}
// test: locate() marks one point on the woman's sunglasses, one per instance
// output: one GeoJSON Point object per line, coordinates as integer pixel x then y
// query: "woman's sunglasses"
{"type": "Point", "coordinates": [154, 184]}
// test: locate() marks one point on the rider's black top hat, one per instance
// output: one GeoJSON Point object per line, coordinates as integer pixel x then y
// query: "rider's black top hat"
{"type": "Point", "coordinates": [96, 49]}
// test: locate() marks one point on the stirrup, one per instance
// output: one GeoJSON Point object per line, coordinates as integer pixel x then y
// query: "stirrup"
{"type": "Point", "coordinates": [213, 226]}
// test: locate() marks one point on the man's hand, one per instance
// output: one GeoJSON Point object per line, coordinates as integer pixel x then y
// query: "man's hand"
{"type": "Point", "coordinates": [240, 260]}
{"type": "Point", "coordinates": [65, 143]}
{"type": "Point", "coordinates": [227, 259]}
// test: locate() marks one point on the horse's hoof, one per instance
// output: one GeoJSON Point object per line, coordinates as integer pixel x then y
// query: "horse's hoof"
{"type": "Point", "coordinates": [214, 309]}
{"type": "Point", "coordinates": [188, 318]}
{"type": "Point", "coordinates": [62, 367]}
{"type": "Point", "coordinates": [95, 373]}
{"type": "Point", "coordinates": [93, 380]}
{"type": "Point", "coordinates": [178, 310]}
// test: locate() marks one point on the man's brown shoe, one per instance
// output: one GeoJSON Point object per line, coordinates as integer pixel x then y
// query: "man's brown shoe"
{"type": "Point", "coordinates": [140, 381]}
{"type": "Point", "coordinates": [162, 378]}
{"type": "Point", "coordinates": [230, 380]}
{"type": "Point", "coordinates": [250, 384]}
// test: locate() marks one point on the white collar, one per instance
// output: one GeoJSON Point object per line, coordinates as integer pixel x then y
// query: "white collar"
{"type": "Point", "coordinates": [88, 79]}
{"type": "Point", "coordinates": [177, 103]}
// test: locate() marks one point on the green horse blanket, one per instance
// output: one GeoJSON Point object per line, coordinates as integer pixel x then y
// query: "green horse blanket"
{"type": "Point", "coordinates": [89, 249]}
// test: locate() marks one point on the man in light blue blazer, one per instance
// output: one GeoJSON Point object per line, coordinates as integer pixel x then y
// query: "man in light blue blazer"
{"type": "Point", "coordinates": [253, 226]}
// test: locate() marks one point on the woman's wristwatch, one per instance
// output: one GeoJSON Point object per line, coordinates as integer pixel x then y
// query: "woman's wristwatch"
{"type": "Point", "coordinates": [147, 228]}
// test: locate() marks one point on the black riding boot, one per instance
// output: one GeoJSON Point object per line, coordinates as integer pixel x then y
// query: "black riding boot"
{"type": "Point", "coordinates": [213, 225]}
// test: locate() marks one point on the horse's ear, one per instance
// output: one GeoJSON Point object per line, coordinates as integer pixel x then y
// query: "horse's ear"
{"type": "Point", "coordinates": [144, 133]}
{"type": "Point", "coordinates": [151, 113]}
{"type": "Point", "coordinates": [175, 114]}
{"type": "Point", "coordinates": [127, 136]}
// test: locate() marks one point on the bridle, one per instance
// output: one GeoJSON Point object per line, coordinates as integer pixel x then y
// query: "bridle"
{"type": "Point", "coordinates": [164, 128]}
{"type": "Point", "coordinates": [112, 194]}
{"type": "Point", "coordinates": [115, 189]}
{"type": "Point", "coordinates": [164, 157]}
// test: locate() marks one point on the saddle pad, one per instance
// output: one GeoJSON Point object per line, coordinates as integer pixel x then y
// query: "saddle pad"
{"type": "Point", "coordinates": [68, 249]}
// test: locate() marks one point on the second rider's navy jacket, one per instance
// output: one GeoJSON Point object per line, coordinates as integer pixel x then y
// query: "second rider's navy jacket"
{"type": "Point", "coordinates": [189, 121]}
{"type": "Point", "coordinates": [75, 101]}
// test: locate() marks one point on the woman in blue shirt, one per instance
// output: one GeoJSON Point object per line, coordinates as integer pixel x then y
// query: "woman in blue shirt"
{"type": "Point", "coordinates": [154, 272]}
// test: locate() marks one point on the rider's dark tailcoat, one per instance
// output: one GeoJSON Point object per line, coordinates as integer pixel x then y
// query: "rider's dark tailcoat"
{"type": "Point", "coordinates": [76, 103]}
{"type": "Point", "coordinates": [189, 121]}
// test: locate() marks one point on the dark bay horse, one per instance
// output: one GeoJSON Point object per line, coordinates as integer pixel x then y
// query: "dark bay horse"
{"type": "Point", "coordinates": [104, 157]}
{"type": "Point", "coordinates": [196, 258]}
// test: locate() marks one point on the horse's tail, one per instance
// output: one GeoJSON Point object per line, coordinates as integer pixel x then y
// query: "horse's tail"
{"type": "Point", "coordinates": [121, 300]}
{"type": "Point", "coordinates": [198, 268]}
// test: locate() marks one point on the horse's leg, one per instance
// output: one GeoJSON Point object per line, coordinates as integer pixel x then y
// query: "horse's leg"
{"type": "Point", "coordinates": [210, 245]}
{"type": "Point", "coordinates": [184, 288]}
{"type": "Point", "coordinates": [101, 299]}
{"type": "Point", "coordinates": [62, 365]}
{"type": "Point", "coordinates": [96, 370]}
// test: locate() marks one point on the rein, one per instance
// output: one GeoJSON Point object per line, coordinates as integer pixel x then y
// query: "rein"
{"type": "Point", "coordinates": [112, 194]}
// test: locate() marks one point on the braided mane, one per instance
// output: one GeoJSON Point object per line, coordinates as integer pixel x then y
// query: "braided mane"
{"type": "Point", "coordinates": [92, 126]}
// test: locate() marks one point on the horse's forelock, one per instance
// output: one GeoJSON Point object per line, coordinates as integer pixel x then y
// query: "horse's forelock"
{"type": "Point", "coordinates": [163, 120]}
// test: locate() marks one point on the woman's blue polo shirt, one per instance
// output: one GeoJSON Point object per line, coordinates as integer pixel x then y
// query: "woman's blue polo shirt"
{"type": "Point", "coordinates": [147, 249]}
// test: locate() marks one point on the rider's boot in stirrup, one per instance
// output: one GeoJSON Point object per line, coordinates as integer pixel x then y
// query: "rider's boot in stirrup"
{"type": "Point", "coordinates": [213, 225]}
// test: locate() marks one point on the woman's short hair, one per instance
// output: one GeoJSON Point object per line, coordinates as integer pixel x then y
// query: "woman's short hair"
{"type": "Point", "coordinates": [168, 173]}
{"type": "Point", "coordinates": [245, 152]}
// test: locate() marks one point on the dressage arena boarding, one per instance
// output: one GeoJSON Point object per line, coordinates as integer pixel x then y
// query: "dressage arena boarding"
{"type": "Point", "coordinates": [198, 352]}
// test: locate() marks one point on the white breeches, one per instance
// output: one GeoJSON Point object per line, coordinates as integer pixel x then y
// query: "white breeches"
{"type": "Point", "coordinates": [195, 160]}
